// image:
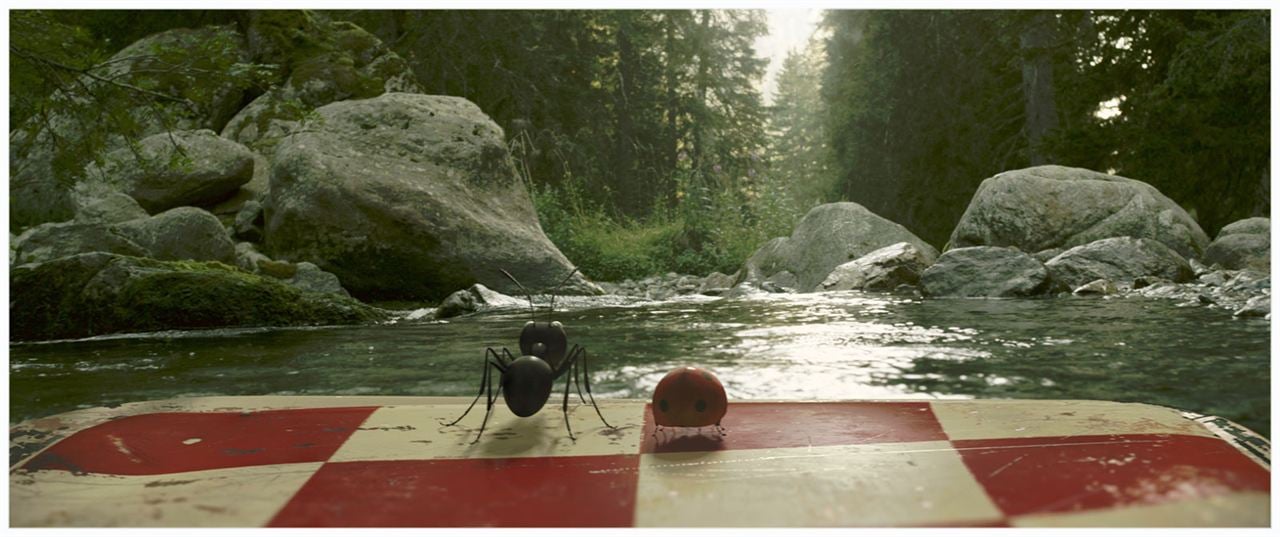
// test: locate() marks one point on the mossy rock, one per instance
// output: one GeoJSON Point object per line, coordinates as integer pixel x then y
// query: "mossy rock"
{"type": "Point", "coordinates": [101, 293]}
{"type": "Point", "coordinates": [149, 62]}
{"type": "Point", "coordinates": [282, 36]}
{"type": "Point", "coordinates": [323, 62]}
{"type": "Point", "coordinates": [43, 168]}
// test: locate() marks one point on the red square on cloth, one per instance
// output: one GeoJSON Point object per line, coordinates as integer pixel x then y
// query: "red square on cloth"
{"type": "Point", "coordinates": [1074, 473]}
{"type": "Point", "coordinates": [786, 425]}
{"type": "Point", "coordinates": [169, 442]}
{"type": "Point", "coordinates": [591, 491]}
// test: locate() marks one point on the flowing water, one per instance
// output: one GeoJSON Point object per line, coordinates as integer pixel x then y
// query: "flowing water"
{"type": "Point", "coordinates": [813, 346]}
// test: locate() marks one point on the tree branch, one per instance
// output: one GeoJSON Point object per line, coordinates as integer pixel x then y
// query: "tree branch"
{"type": "Point", "coordinates": [88, 72]}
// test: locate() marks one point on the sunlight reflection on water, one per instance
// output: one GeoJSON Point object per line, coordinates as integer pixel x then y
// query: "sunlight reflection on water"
{"type": "Point", "coordinates": [841, 345]}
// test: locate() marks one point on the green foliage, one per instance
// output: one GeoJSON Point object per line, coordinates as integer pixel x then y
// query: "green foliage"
{"type": "Point", "coordinates": [1194, 115]}
{"type": "Point", "coordinates": [922, 105]}
{"type": "Point", "coordinates": [71, 103]}
{"type": "Point", "coordinates": [709, 229]}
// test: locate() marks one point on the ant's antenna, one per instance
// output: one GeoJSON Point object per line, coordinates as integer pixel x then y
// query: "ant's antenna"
{"type": "Point", "coordinates": [557, 288]}
{"type": "Point", "coordinates": [527, 294]}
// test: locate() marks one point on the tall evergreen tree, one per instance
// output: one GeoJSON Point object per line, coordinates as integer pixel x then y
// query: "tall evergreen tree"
{"type": "Point", "coordinates": [922, 106]}
{"type": "Point", "coordinates": [800, 157]}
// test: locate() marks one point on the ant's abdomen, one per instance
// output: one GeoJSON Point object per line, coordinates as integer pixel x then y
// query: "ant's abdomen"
{"type": "Point", "coordinates": [526, 385]}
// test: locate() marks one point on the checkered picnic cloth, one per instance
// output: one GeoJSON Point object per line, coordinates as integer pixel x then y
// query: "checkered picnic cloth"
{"type": "Point", "coordinates": [390, 461]}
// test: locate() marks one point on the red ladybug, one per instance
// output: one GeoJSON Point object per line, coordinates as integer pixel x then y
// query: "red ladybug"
{"type": "Point", "coordinates": [689, 397]}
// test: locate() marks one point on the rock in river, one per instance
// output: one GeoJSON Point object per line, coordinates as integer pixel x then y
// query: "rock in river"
{"type": "Point", "coordinates": [828, 236]}
{"type": "Point", "coordinates": [1118, 259]}
{"type": "Point", "coordinates": [1245, 244]}
{"type": "Point", "coordinates": [408, 196]}
{"type": "Point", "coordinates": [101, 293]}
{"type": "Point", "coordinates": [185, 233]}
{"type": "Point", "coordinates": [882, 270]}
{"type": "Point", "coordinates": [984, 271]}
{"type": "Point", "coordinates": [1046, 207]}
{"type": "Point", "coordinates": [475, 298]}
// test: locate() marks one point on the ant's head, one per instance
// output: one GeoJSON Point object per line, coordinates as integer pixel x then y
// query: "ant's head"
{"type": "Point", "coordinates": [544, 340]}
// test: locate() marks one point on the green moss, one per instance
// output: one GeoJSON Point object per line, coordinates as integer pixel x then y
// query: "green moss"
{"type": "Point", "coordinates": [49, 300]}
{"type": "Point", "coordinates": [42, 298]}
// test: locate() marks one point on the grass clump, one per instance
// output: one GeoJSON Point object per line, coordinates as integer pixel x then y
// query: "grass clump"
{"type": "Point", "coordinates": [706, 230]}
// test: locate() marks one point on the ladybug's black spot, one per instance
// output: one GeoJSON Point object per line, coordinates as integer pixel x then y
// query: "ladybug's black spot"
{"type": "Point", "coordinates": [701, 405]}
{"type": "Point", "coordinates": [663, 405]}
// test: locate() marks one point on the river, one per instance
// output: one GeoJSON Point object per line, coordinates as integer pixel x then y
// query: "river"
{"type": "Point", "coordinates": [845, 345]}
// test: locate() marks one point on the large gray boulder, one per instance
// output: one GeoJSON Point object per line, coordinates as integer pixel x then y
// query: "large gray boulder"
{"type": "Point", "coordinates": [184, 233]}
{"type": "Point", "coordinates": [95, 202]}
{"type": "Point", "coordinates": [176, 169]}
{"type": "Point", "coordinates": [101, 293]}
{"type": "Point", "coordinates": [1244, 244]}
{"type": "Point", "coordinates": [984, 271]}
{"type": "Point", "coordinates": [345, 62]}
{"type": "Point", "coordinates": [211, 100]}
{"type": "Point", "coordinates": [1045, 207]}
{"type": "Point", "coordinates": [408, 196]}
{"type": "Point", "coordinates": [828, 236]}
{"type": "Point", "coordinates": [50, 241]}
{"type": "Point", "coordinates": [1119, 260]}
{"type": "Point", "coordinates": [882, 270]}
{"type": "Point", "coordinates": [37, 194]}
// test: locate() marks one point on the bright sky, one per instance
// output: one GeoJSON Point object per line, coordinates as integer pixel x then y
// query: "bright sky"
{"type": "Point", "coordinates": [788, 29]}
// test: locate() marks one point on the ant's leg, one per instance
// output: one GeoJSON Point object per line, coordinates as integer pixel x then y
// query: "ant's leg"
{"type": "Point", "coordinates": [507, 353]}
{"type": "Point", "coordinates": [587, 380]}
{"type": "Point", "coordinates": [488, 403]}
{"type": "Point", "coordinates": [568, 365]}
{"type": "Point", "coordinates": [484, 383]}
{"type": "Point", "coordinates": [565, 409]}
{"type": "Point", "coordinates": [574, 372]}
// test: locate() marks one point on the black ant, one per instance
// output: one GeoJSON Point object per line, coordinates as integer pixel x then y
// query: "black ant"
{"type": "Point", "coordinates": [525, 384]}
